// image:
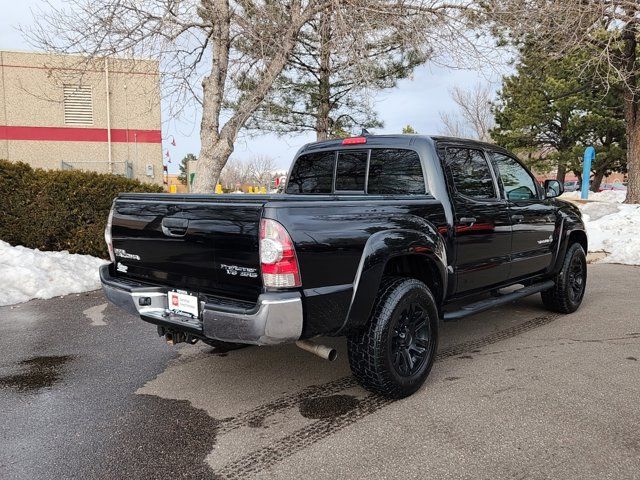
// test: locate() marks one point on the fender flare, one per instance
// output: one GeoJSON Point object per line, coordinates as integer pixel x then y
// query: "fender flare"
{"type": "Point", "coordinates": [570, 224]}
{"type": "Point", "coordinates": [380, 248]}
{"type": "Point", "coordinates": [563, 247]}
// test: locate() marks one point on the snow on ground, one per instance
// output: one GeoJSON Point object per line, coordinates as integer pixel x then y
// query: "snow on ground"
{"type": "Point", "coordinates": [615, 196]}
{"type": "Point", "coordinates": [612, 227]}
{"type": "Point", "coordinates": [26, 274]}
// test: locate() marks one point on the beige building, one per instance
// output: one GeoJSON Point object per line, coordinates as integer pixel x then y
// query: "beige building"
{"type": "Point", "coordinates": [64, 112]}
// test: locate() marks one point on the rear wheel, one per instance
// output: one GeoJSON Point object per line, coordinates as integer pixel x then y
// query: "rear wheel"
{"type": "Point", "coordinates": [568, 292]}
{"type": "Point", "coordinates": [394, 354]}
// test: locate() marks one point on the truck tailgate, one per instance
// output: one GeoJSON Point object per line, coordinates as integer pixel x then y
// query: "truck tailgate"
{"type": "Point", "coordinates": [204, 245]}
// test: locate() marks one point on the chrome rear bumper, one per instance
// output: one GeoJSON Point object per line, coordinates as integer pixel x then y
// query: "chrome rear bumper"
{"type": "Point", "coordinates": [276, 317]}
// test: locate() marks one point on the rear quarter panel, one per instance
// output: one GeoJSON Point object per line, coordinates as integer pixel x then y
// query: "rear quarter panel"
{"type": "Point", "coordinates": [330, 237]}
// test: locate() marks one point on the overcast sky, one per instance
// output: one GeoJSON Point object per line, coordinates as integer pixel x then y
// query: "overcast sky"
{"type": "Point", "coordinates": [415, 101]}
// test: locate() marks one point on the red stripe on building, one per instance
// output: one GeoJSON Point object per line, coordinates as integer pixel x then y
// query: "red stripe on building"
{"type": "Point", "coordinates": [70, 134]}
{"type": "Point", "coordinates": [81, 70]}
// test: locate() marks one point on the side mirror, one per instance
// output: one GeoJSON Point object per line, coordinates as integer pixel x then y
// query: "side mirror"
{"type": "Point", "coordinates": [553, 188]}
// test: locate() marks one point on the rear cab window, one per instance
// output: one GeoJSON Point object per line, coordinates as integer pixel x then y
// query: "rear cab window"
{"type": "Point", "coordinates": [312, 173]}
{"type": "Point", "coordinates": [470, 173]}
{"type": "Point", "coordinates": [351, 171]}
{"type": "Point", "coordinates": [395, 172]}
{"type": "Point", "coordinates": [376, 171]}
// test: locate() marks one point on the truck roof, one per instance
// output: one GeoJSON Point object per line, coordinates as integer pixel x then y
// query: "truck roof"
{"type": "Point", "coordinates": [395, 140]}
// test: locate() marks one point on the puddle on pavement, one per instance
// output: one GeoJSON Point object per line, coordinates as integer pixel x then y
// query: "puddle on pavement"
{"type": "Point", "coordinates": [327, 407]}
{"type": "Point", "coordinates": [156, 438]}
{"type": "Point", "coordinates": [38, 373]}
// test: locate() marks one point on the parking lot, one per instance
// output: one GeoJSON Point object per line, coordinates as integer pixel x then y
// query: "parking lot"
{"type": "Point", "coordinates": [517, 392]}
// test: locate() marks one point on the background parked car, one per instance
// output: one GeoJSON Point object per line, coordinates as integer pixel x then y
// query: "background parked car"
{"type": "Point", "coordinates": [571, 186]}
{"type": "Point", "coordinates": [617, 186]}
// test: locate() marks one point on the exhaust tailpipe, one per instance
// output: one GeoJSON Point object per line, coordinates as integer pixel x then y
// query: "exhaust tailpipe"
{"type": "Point", "coordinates": [322, 351]}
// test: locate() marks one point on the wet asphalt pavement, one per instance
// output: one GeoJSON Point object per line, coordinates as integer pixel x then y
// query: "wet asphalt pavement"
{"type": "Point", "coordinates": [87, 391]}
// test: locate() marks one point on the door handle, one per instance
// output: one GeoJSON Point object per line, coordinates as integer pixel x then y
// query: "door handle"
{"type": "Point", "coordinates": [175, 227]}
{"type": "Point", "coordinates": [517, 218]}
{"type": "Point", "coordinates": [468, 220]}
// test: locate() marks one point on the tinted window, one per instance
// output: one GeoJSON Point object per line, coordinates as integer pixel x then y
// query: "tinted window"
{"type": "Point", "coordinates": [351, 170]}
{"type": "Point", "coordinates": [393, 171]}
{"type": "Point", "coordinates": [312, 173]}
{"type": "Point", "coordinates": [516, 181]}
{"type": "Point", "coordinates": [470, 172]}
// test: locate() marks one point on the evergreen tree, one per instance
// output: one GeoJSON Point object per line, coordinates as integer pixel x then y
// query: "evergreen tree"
{"type": "Point", "coordinates": [550, 110]}
{"type": "Point", "coordinates": [326, 86]}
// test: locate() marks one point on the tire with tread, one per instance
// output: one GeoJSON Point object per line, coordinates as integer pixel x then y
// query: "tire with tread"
{"type": "Point", "coordinates": [566, 296]}
{"type": "Point", "coordinates": [370, 351]}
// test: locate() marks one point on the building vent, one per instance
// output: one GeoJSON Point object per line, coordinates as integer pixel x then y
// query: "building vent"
{"type": "Point", "coordinates": [78, 105]}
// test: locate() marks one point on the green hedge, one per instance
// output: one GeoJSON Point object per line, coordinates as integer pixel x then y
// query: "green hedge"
{"type": "Point", "coordinates": [59, 210]}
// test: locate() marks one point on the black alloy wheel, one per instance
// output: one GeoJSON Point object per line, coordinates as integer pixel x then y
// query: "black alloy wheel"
{"type": "Point", "coordinates": [577, 278]}
{"type": "Point", "coordinates": [393, 354]}
{"type": "Point", "coordinates": [411, 341]}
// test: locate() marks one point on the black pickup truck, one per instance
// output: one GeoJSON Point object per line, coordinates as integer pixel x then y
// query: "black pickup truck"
{"type": "Point", "coordinates": [375, 238]}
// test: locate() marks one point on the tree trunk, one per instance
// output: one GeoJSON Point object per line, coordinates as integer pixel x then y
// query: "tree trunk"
{"type": "Point", "coordinates": [323, 126]}
{"type": "Point", "coordinates": [597, 180]}
{"type": "Point", "coordinates": [633, 161]}
{"type": "Point", "coordinates": [562, 171]}
{"type": "Point", "coordinates": [213, 157]}
{"type": "Point", "coordinates": [631, 113]}
{"type": "Point", "coordinates": [217, 143]}
{"type": "Point", "coordinates": [215, 146]}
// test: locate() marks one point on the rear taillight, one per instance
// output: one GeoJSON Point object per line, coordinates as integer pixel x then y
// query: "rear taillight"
{"type": "Point", "coordinates": [277, 256]}
{"type": "Point", "coordinates": [107, 236]}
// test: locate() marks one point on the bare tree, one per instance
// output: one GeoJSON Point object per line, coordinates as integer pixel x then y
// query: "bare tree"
{"type": "Point", "coordinates": [257, 171]}
{"type": "Point", "coordinates": [473, 118]}
{"type": "Point", "coordinates": [233, 175]}
{"type": "Point", "coordinates": [452, 126]}
{"type": "Point", "coordinates": [606, 29]}
{"type": "Point", "coordinates": [261, 170]}
{"type": "Point", "coordinates": [225, 55]}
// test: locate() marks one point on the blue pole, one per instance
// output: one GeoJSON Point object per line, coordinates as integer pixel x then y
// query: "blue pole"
{"type": "Point", "coordinates": [589, 156]}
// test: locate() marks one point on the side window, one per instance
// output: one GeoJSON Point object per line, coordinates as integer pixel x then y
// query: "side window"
{"type": "Point", "coordinates": [312, 173]}
{"type": "Point", "coordinates": [351, 170]}
{"type": "Point", "coordinates": [395, 172]}
{"type": "Point", "coordinates": [470, 172]}
{"type": "Point", "coordinates": [516, 180]}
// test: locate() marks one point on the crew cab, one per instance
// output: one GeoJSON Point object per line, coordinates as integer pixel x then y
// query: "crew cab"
{"type": "Point", "coordinates": [377, 238]}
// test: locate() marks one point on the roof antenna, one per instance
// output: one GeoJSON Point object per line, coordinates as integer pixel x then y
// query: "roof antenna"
{"type": "Point", "coordinates": [364, 132]}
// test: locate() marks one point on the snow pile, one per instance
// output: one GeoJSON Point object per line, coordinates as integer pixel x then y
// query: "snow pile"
{"type": "Point", "coordinates": [615, 229]}
{"type": "Point", "coordinates": [615, 196]}
{"type": "Point", "coordinates": [612, 227]}
{"type": "Point", "coordinates": [26, 274]}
